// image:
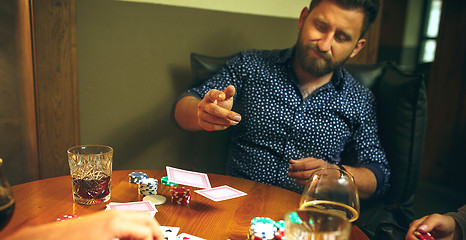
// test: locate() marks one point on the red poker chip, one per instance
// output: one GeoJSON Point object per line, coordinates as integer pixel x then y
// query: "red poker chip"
{"type": "Point", "coordinates": [180, 195]}
{"type": "Point", "coordinates": [423, 236]}
{"type": "Point", "coordinates": [280, 234]}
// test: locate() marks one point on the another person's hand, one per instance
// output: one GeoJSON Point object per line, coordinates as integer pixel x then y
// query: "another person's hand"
{"type": "Point", "coordinates": [441, 227]}
{"type": "Point", "coordinates": [108, 225]}
{"type": "Point", "coordinates": [302, 169]}
{"type": "Point", "coordinates": [214, 111]}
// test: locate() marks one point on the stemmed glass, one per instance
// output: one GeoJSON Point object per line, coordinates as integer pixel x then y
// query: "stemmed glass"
{"type": "Point", "coordinates": [7, 202]}
{"type": "Point", "coordinates": [332, 190]}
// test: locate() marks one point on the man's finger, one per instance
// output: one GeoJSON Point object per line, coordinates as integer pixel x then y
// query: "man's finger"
{"type": "Point", "coordinates": [214, 95]}
{"type": "Point", "coordinates": [229, 91]}
{"type": "Point", "coordinates": [207, 117]}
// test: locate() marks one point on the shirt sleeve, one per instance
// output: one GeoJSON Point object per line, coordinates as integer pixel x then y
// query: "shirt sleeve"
{"type": "Point", "coordinates": [460, 218]}
{"type": "Point", "coordinates": [365, 148]}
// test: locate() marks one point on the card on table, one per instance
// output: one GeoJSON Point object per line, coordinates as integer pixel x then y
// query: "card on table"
{"type": "Point", "coordinates": [170, 232]}
{"type": "Point", "coordinates": [221, 193]}
{"type": "Point", "coordinates": [143, 206]}
{"type": "Point", "coordinates": [188, 178]}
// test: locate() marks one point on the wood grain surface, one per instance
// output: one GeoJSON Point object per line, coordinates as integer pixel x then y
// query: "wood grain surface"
{"type": "Point", "coordinates": [43, 201]}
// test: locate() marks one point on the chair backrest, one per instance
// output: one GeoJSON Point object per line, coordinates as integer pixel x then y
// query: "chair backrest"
{"type": "Point", "coordinates": [401, 108]}
{"type": "Point", "coordinates": [402, 113]}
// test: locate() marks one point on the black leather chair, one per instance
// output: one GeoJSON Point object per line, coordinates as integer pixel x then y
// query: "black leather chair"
{"type": "Point", "coordinates": [402, 113]}
{"type": "Point", "coordinates": [401, 104]}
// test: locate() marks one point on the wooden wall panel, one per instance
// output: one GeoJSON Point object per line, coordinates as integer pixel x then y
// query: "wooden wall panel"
{"type": "Point", "coordinates": [17, 111]}
{"type": "Point", "coordinates": [25, 75]}
{"type": "Point", "coordinates": [368, 55]}
{"type": "Point", "coordinates": [55, 72]}
{"type": "Point", "coordinates": [444, 159]}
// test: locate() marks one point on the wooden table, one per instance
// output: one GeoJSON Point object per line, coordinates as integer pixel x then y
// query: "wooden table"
{"type": "Point", "coordinates": [44, 200]}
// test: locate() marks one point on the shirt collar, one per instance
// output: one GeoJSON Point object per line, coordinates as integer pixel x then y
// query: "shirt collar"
{"type": "Point", "coordinates": [338, 78]}
{"type": "Point", "coordinates": [287, 55]}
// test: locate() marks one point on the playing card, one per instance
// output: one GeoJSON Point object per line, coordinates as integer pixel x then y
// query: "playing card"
{"type": "Point", "coordinates": [185, 236]}
{"type": "Point", "coordinates": [188, 178]}
{"type": "Point", "coordinates": [220, 193]}
{"type": "Point", "coordinates": [170, 232]}
{"type": "Point", "coordinates": [143, 206]}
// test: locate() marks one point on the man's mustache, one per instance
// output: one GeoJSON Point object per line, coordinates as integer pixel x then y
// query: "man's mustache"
{"type": "Point", "coordinates": [315, 48]}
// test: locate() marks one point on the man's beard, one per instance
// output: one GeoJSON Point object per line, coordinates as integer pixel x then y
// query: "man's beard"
{"type": "Point", "coordinates": [313, 65]}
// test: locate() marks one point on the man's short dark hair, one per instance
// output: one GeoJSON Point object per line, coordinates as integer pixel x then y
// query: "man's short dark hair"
{"type": "Point", "coordinates": [369, 7]}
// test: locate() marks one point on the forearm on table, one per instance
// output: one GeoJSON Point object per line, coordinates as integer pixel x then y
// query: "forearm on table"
{"type": "Point", "coordinates": [365, 179]}
{"type": "Point", "coordinates": [186, 113]}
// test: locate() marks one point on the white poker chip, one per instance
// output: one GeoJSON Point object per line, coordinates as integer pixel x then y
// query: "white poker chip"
{"type": "Point", "coordinates": [155, 199]}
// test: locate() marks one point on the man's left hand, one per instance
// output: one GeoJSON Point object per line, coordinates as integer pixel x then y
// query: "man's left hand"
{"type": "Point", "coordinates": [302, 169]}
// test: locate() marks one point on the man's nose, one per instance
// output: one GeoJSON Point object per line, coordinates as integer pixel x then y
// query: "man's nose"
{"type": "Point", "coordinates": [325, 43]}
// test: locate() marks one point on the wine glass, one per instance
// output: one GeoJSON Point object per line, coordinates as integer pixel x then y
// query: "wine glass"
{"type": "Point", "coordinates": [313, 223]}
{"type": "Point", "coordinates": [7, 202]}
{"type": "Point", "coordinates": [332, 190]}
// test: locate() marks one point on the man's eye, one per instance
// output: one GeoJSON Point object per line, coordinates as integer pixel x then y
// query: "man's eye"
{"type": "Point", "coordinates": [341, 38]}
{"type": "Point", "coordinates": [321, 27]}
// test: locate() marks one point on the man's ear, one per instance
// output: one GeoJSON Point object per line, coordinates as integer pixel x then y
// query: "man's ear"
{"type": "Point", "coordinates": [358, 47]}
{"type": "Point", "coordinates": [302, 17]}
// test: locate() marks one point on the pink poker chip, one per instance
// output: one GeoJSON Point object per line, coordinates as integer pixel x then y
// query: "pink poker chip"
{"type": "Point", "coordinates": [66, 217]}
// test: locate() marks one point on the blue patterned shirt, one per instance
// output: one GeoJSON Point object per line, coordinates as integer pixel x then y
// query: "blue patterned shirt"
{"type": "Point", "coordinates": [337, 122]}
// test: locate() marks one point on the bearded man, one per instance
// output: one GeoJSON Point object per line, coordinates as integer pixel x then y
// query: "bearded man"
{"type": "Point", "coordinates": [296, 110]}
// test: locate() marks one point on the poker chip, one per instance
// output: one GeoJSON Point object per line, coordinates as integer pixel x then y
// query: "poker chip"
{"type": "Point", "coordinates": [262, 220]}
{"type": "Point", "coordinates": [280, 233]}
{"type": "Point", "coordinates": [262, 231]}
{"type": "Point", "coordinates": [136, 177]}
{"type": "Point", "coordinates": [147, 186]}
{"type": "Point", "coordinates": [180, 195]}
{"type": "Point", "coordinates": [66, 217]}
{"type": "Point", "coordinates": [294, 218]}
{"type": "Point", "coordinates": [155, 199]}
{"type": "Point", "coordinates": [280, 224]}
{"type": "Point", "coordinates": [166, 182]}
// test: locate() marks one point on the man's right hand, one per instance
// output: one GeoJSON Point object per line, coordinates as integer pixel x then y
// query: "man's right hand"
{"type": "Point", "coordinates": [213, 113]}
{"type": "Point", "coordinates": [214, 110]}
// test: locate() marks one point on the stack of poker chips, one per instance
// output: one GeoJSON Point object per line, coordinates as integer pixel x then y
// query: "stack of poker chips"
{"type": "Point", "coordinates": [147, 186]}
{"type": "Point", "coordinates": [180, 195]}
{"type": "Point", "coordinates": [166, 182]}
{"type": "Point", "coordinates": [280, 233]}
{"type": "Point", "coordinates": [262, 228]}
{"type": "Point", "coordinates": [136, 177]}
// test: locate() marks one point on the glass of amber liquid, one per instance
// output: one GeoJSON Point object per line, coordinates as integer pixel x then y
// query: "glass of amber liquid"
{"type": "Point", "coordinates": [316, 224]}
{"type": "Point", "coordinates": [91, 172]}
{"type": "Point", "coordinates": [332, 190]}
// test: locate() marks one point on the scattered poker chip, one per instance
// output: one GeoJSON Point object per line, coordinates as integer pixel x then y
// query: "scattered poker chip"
{"type": "Point", "coordinates": [155, 199]}
{"type": "Point", "coordinates": [66, 217]}
{"type": "Point", "coordinates": [136, 177]}
{"type": "Point", "coordinates": [166, 182]}
{"type": "Point", "coordinates": [180, 195]}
